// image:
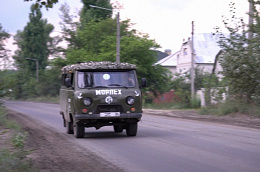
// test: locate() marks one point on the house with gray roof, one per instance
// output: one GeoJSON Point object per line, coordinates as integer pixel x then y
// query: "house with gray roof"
{"type": "Point", "coordinates": [170, 62]}
{"type": "Point", "coordinates": [206, 51]}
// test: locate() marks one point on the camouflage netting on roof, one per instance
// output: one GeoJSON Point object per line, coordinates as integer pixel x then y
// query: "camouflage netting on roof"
{"type": "Point", "coordinates": [97, 65]}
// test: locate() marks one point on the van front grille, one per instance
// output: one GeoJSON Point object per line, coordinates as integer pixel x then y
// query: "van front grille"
{"type": "Point", "coordinates": [108, 108]}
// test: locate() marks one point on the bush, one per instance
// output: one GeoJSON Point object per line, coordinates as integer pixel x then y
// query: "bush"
{"type": "Point", "coordinates": [195, 103]}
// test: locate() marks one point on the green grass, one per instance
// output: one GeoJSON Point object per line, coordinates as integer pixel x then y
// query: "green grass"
{"type": "Point", "coordinates": [230, 107]}
{"type": "Point", "coordinates": [14, 161]}
{"type": "Point", "coordinates": [193, 104]}
{"type": "Point", "coordinates": [13, 156]}
{"type": "Point", "coordinates": [6, 122]}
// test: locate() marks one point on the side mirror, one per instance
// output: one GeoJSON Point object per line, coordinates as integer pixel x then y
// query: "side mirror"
{"type": "Point", "coordinates": [68, 82]}
{"type": "Point", "coordinates": [144, 83]}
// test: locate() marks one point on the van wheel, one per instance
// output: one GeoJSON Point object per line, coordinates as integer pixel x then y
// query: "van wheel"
{"type": "Point", "coordinates": [118, 128]}
{"type": "Point", "coordinates": [69, 127]}
{"type": "Point", "coordinates": [131, 129]}
{"type": "Point", "coordinates": [79, 130]}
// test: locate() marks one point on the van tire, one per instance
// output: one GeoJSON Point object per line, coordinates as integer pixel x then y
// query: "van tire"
{"type": "Point", "coordinates": [69, 127]}
{"type": "Point", "coordinates": [118, 128]}
{"type": "Point", "coordinates": [79, 130]}
{"type": "Point", "coordinates": [131, 129]}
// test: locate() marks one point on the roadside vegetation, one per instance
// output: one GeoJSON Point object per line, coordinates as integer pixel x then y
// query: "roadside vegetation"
{"type": "Point", "coordinates": [13, 156]}
{"type": "Point", "coordinates": [232, 107]}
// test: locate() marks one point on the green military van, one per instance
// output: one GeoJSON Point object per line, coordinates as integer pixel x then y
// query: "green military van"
{"type": "Point", "coordinates": [98, 94]}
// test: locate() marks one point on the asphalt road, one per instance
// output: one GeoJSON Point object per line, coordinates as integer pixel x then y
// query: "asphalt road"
{"type": "Point", "coordinates": [162, 143]}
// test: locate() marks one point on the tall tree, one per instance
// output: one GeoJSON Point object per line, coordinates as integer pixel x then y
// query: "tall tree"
{"type": "Point", "coordinates": [94, 39]}
{"type": "Point", "coordinates": [98, 43]}
{"type": "Point", "coordinates": [3, 37]}
{"type": "Point", "coordinates": [45, 3]}
{"type": "Point", "coordinates": [93, 14]}
{"type": "Point", "coordinates": [69, 26]}
{"type": "Point", "coordinates": [241, 56]}
{"type": "Point", "coordinates": [33, 41]}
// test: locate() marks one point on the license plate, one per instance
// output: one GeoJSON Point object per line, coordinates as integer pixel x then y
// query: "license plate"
{"type": "Point", "coordinates": [109, 114]}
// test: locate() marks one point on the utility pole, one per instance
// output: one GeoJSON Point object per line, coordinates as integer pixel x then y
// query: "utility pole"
{"type": "Point", "coordinates": [118, 39]}
{"type": "Point", "coordinates": [117, 32]}
{"type": "Point", "coordinates": [250, 19]}
{"type": "Point", "coordinates": [192, 62]}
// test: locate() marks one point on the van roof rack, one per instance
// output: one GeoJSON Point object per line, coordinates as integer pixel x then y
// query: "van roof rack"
{"type": "Point", "coordinates": [97, 65]}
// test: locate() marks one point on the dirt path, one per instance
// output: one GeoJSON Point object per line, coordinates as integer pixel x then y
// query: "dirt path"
{"type": "Point", "coordinates": [52, 151]}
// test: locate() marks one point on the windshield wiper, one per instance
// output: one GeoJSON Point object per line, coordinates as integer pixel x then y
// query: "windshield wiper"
{"type": "Point", "coordinates": [100, 86]}
{"type": "Point", "coordinates": [118, 85]}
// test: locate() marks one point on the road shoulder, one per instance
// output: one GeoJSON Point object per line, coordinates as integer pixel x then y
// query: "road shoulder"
{"type": "Point", "coordinates": [233, 119]}
{"type": "Point", "coordinates": [53, 151]}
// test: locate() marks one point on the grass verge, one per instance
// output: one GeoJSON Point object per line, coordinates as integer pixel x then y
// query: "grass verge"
{"type": "Point", "coordinates": [231, 107]}
{"type": "Point", "coordinates": [192, 104]}
{"type": "Point", "coordinates": [13, 156]}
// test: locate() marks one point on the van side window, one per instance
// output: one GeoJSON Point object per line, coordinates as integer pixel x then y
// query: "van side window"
{"type": "Point", "coordinates": [72, 79]}
{"type": "Point", "coordinates": [63, 77]}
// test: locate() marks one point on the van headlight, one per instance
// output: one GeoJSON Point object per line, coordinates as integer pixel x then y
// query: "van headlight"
{"type": "Point", "coordinates": [87, 101]}
{"type": "Point", "coordinates": [130, 100]}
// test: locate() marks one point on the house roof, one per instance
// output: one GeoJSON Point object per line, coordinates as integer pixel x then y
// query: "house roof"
{"type": "Point", "coordinates": [206, 47]}
{"type": "Point", "coordinates": [170, 60]}
{"type": "Point", "coordinates": [160, 55]}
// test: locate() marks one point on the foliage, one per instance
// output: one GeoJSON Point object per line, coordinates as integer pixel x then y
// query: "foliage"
{"type": "Point", "coordinates": [182, 86]}
{"type": "Point", "coordinates": [4, 53]}
{"type": "Point", "coordinates": [4, 82]}
{"type": "Point", "coordinates": [14, 159]}
{"type": "Point", "coordinates": [3, 36]}
{"type": "Point", "coordinates": [68, 26]}
{"type": "Point", "coordinates": [231, 106]}
{"type": "Point", "coordinates": [19, 139]}
{"type": "Point", "coordinates": [240, 59]}
{"type": "Point", "coordinates": [6, 123]}
{"type": "Point", "coordinates": [46, 3]}
{"type": "Point", "coordinates": [33, 42]}
{"type": "Point", "coordinates": [184, 97]}
{"type": "Point", "coordinates": [95, 40]}
{"type": "Point", "coordinates": [49, 83]}
{"type": "Point", "coordinates": [94, 14]}
{"type": "Point", "coordinates": [22, 84]}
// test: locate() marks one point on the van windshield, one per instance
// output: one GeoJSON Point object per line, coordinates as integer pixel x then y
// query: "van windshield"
{"type": "Point", "coordinates": [106, 79]}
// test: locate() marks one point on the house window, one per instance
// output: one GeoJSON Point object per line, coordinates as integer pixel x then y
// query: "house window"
{"type": "Point", "coordinates": [185, 51]}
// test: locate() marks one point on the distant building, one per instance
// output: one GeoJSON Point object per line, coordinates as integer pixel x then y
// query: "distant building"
{"type": "Point", "coordinates": [160, 55]}
{"type": "Point", "coordinates": [206, 50]}
{"type": "Point", "coordinates": [169, 62]}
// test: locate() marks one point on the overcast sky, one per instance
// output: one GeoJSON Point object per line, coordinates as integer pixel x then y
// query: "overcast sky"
{"type": "Point", "coordinates": [166, 21]}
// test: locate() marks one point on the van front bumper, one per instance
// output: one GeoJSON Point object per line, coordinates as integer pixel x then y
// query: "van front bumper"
{"type": "Point", "coordinates": [97, 116]}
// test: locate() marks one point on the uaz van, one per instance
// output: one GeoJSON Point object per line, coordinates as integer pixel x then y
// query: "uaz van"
{"type": "Point", "coordinates": [97, 94]}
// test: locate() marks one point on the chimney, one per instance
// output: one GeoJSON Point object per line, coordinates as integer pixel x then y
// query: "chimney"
{"type": "Point", "coordinates": [168, 51]}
